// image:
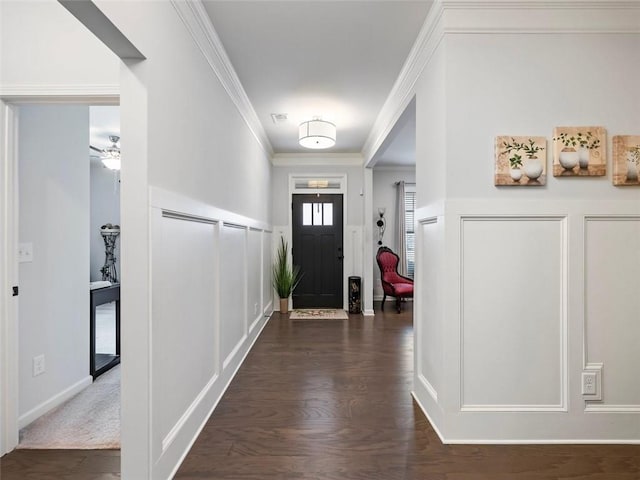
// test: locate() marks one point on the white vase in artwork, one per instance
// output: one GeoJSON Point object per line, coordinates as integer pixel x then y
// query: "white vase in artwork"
{"type": "Point", "coordinates": [632, 170]}
{"type": "Point", "coordinates": [516, 174]}
{"type": "Point", "coordinates": [568, 158]}
{"type": "Point", "coordinates": [583, 157]}
{"type": "Point", "coordinates": [533, 168]}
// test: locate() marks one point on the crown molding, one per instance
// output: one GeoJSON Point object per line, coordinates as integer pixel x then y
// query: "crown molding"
{"type": "Point", "coordinates": [398, 168]}
{"type": "Point", "coordinates": [195, 18]}
{"type": "Point", "coordinates": [317, 159]}
{"type": "Point", "coordinates": [30, 93]}
{"type": "Point", "coordinates": [402, 92]}
{"type": "Point", "coordinates": [451, 17]}
{"type": "Point", "coordinates": [541, 4]}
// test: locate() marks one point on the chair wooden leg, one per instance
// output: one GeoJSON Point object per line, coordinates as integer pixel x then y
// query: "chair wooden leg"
{"type": "Point", "coordinates": [398, 304]}
{"type": "Point", "coordinates": [384, 297]}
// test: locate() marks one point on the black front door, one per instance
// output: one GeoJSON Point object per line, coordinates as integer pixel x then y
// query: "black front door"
{"type": "Point", "coordinates": [317, 249]}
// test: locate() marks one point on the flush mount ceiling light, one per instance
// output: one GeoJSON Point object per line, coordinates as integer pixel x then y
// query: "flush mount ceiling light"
{"type": "Point", "coordinates": [317, 134]}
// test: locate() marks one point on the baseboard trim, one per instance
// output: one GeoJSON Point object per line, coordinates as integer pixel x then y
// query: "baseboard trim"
{"type": "Point", "coordinates": [168, 440]}
{"type": "Point", "coordinates": [431, 422]}
{"type": "Point", "coordinates": [215, 402]}
{"type": "Point", "coordinates": [53, 402]}
{"type": "Point", "coordinates": [476, 441]}
{"type": "Point", "coordinates": [368, 313]}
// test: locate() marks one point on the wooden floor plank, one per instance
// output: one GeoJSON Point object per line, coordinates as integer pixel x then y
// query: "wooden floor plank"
{"type": "Point", "coordinates": [330, 400]}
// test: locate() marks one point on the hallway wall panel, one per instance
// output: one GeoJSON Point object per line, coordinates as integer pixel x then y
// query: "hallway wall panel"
{"type": "Point", "coordinates": [612, 270]}
{"type": "Point", "coordinates": [185, 347]}
{"type": "Point", "coordinates": [536, 280]}
{"type": "Point", "coordinates": [512, 321]}
{"type": "Point", "coordinates": [233, 289]}
{"type": "Point", "coordinates": [207, 267]}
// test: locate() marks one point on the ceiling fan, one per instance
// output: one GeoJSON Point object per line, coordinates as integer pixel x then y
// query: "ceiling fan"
{"type": "Point", "coordinates": [110, 156]}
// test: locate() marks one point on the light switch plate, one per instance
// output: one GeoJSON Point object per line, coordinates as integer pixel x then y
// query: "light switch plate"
{"type": "Point", "coordinates": [25, 252]}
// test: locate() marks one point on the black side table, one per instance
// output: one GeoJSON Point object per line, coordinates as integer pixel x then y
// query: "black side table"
{"type": "Point", "coordinates": [100, 363]}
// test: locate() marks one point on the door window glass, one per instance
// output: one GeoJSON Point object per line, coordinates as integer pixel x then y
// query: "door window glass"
{"type": "Point", "coordinates": [306, 214]}
{"type": "Point", "coordinates": [317, 214]}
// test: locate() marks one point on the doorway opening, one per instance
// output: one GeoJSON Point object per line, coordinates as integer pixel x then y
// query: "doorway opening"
{"type": "Point", "coordinates": [59, 406]}
{"type": "Point", "coordinates": [394, 200]}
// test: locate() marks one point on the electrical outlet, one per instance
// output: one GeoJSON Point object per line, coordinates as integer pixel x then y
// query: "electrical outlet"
{"type": "Point", "coordinates": [255, 308]}
{"type": "Point", "coordinates": [589, 383]}
{"type": "Point", "coordinates": [592, 381]}
{"type": "Point", "coordinates": [25, 252]}
{"type": "Point", "coordinates": [38, 365]}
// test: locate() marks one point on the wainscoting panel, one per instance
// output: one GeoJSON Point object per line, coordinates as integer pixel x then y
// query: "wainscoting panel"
{"type": "Point", "coordinates": [207, 267]}
{"type": "Point", "coordinates": [429, 285]}
{"type": "Point", "coordinates": [232, 290]}
{"type": "Point", "coordinates": [184, 351]}
{"type": "Point", "coordinates": [254, 279]}
{"type": "Point", "coordinates": [513, 313]}
{"type": "Point", "coordinates": [267, 289]}
{"type": "Point", "coordinates": [611, 304]}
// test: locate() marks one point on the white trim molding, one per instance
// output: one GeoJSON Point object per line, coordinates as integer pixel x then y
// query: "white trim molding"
{"type": "Point", "coordinates": [428, 387]}
{"type": "Point", "coordinates": [84, 94]}
{"type": "Point", "coordinates": [563, 361]}
{"type": "Point", "coordinates": [194, 16]}
{"type": "Point", "coordinates": [403, 89]}
{"type": "Point", "coordinates": [53, 402]}
{"type": "Point", "coordinates": [316, 159]}
{"type": "Point", "coordinates": [597, 404]}
{"type": "Point", "coordinates": [448, 17]}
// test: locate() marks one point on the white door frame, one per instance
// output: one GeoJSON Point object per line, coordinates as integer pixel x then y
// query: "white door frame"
{"type": "Point", "coordinates": [341, 178]}
{"type": "Point", "coordinates": [9, 220]}
{"type": "Point", "coordinates": [8, 278]}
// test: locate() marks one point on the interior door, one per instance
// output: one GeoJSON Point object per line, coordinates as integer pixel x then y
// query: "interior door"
{"type": "Point", "coordinates": [317, 249]}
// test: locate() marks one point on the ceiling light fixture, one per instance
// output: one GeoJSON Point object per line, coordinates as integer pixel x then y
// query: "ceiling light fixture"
{"type": "Point", "coordinates": [111, 155]}
{"type": "Point", "coordinates": [317, 134]}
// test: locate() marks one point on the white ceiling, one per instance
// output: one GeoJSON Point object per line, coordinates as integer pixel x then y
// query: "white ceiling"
{"type": "Point", "coordinates": [399, 148]}
{"type": "Point", "coordinates": [333, 59]}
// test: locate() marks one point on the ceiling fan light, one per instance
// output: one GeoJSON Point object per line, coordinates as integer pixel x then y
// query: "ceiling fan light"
{"type": "Point", "coordinates": [317, 134]}
{"type": "Point", "coordinates": [111, 155]}
{"type": "Point", "coordinates": [112, 163]}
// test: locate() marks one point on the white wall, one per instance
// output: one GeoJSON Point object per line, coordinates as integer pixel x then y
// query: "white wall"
{"type": "Point", "coordinates": [105, 208]}
{"type": "Point", "coordinates": [280, 186]}
{"type": "Point", "coordinates": [523, 287]}
{"type": "Point", "coordinates": [385, 195]}
{"type": "Point", "coordinates": [183, 133]}
{"type": "Point", "coordinates": [43, 46]}
{"type": "Point", "coordinates": [54, 292]}
{"type": "Point", "coordinates": [301, 165]}
{"type": "Point", "coordinates": [190, 145]}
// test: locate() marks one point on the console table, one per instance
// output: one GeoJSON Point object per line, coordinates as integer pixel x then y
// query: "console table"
{"type": "Point", "coordinates": [101, 362]}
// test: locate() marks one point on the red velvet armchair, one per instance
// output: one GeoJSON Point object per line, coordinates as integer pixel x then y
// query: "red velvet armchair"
{"type": "Point", "coordinates": [393, 284]}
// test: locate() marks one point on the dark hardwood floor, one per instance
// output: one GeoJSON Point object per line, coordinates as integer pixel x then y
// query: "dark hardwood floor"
{"type": "Point", "coordinates": [329, 400]}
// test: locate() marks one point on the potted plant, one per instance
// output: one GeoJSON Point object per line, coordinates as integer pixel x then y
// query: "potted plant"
{"type": "Point", "coordinates": [586, 142]}
{"type": "Point", "coordinates": [515, 159]}
{"type": "Point", "coordinates": [285, 277]}
{"type": "Point", "coordinates": [568, 156]}
{"type": "Point", "coordinates": [533, 168]}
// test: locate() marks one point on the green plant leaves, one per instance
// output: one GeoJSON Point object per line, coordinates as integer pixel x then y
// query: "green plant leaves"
{"type": "Point", "coordinates": [285, 277]}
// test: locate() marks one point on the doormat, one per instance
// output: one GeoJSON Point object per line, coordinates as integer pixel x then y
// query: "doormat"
{"type": "Point", "coordinates": [318, 314]}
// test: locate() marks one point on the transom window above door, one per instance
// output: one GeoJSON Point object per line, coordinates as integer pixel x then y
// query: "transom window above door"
{"type": "Point", "coordinates": [317, 214]}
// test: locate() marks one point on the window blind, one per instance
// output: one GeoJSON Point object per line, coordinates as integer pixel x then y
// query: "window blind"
{"type": "Point", "coordinates": [409, 209]}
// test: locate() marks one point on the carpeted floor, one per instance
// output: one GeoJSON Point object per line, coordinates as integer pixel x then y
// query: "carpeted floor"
{"type": "Point", "coordinates": [90, 420]}
{"type": "Point", "coordinates": [318, 314]}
